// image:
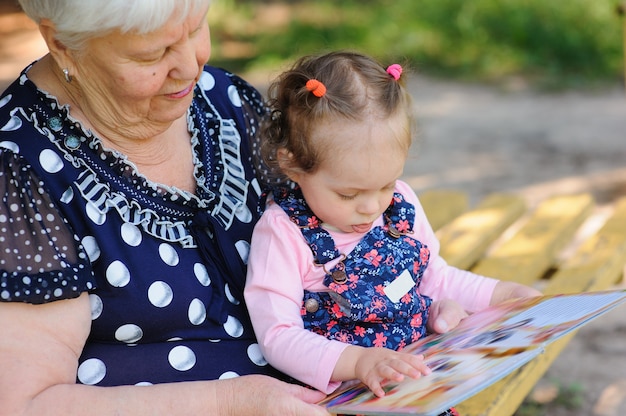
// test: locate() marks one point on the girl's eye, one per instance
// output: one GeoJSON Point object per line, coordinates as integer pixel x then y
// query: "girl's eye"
{"type": "Point", "coordinates": [347, 197]}
{"type": "Point", "coordinates": [390, 186]}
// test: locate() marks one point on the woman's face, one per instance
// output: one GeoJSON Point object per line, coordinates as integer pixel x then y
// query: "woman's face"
{"type": "Point", "coordinates": [131, 80]}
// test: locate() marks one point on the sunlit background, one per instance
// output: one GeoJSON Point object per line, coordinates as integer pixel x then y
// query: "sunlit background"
{"type": "Point", "coordinates": [556, 43]}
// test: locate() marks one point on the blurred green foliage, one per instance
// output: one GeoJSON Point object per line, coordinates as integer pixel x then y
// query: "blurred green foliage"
{"type": "Point", "coordinates": [547, 42]}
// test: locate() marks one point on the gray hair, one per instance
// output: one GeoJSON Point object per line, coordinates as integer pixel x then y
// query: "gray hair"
{"type": "Point", "coordinates": [77, 21]}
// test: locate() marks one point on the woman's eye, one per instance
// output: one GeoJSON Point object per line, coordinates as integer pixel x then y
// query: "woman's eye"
{"type": "Point", "coordinates": [155, 57]}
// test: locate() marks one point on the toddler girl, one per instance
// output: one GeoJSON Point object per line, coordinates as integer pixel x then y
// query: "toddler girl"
{"type": "Point", "coordinates": [343, 257]}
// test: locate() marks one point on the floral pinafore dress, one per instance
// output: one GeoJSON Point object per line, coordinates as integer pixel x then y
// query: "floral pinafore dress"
{"type": "Point", "coordinates": [373, 294]}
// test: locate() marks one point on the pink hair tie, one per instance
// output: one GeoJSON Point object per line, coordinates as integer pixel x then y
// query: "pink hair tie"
{"type": "Point", "coordinates": [316, 87]}
{"type": "Point", "coordinates": [395, 70]}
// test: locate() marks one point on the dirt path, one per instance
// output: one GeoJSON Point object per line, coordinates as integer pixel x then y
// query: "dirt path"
{"type": "Point", "coordinates": [486, 140]}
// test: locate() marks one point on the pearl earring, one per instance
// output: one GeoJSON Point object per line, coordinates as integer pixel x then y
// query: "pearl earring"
{"type": "Point", "coordinates": [66, 73]}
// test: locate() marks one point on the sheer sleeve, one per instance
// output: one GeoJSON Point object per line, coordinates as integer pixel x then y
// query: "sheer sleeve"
{"type": "Point", "coordinates": [41, 259]}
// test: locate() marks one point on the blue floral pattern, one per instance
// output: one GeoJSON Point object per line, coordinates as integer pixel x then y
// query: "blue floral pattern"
{"type": "Point", "coordinates": [356, 308]}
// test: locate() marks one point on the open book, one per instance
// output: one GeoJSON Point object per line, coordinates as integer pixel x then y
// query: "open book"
{"type": "Point", "coordinates": [485, 347]}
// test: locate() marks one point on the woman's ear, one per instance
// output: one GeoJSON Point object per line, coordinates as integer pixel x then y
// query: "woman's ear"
{"type": "Point", "coordinates": [61, 54]}
{"type": "Point", "coordinates": [286, 164]}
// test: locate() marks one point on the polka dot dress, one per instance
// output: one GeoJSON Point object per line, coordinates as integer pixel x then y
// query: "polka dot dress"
{"type": "Point", "coordinates": [163, 268]}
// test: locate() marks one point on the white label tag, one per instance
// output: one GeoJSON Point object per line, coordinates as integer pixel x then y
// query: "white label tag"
{"type": "Point", "coordinates": [399, 287]}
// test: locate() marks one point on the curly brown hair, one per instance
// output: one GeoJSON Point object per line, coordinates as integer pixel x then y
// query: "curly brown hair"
{"type": "Point", "coordinates": [357, 87]}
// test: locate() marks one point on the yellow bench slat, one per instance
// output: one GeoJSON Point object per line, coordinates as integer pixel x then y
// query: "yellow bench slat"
{"type": "Point", "coordinates": [533, 249]}
{"type": "Point", "coordinates": [599, 261]}
{"type": "Point", "coordinates": [597, 265]}
{"type": "Point", "coordinates": [442, 206]}
{"type": "Point", "coordinates": [467, 237]}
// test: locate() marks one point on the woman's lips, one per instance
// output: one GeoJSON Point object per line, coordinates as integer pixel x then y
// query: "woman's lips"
{"type": "Point", "coordinates": [182, 93]}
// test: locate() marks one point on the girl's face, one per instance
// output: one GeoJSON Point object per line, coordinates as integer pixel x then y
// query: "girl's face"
{"type": "Point", "coordinates": [354, 183]}
{"type": "Point", "coordinates": [133, 79]}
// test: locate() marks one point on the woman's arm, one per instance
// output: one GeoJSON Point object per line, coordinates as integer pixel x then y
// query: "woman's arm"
{"type": "Point", "coordinates": [39, 350]}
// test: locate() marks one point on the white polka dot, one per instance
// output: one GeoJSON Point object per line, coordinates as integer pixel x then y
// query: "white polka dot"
{"type": "Point", "coordinates": [202, 274]}
{"type": "Point", "coordinates": [5, 100]}
{"type": "Point", "coordinates": [168, 254]}
{"type": "Point", "coordinates": [228, 374]}
{"type": "Point", "coordinates": [91, 371]}
{"type": "Point", "coordinates": [206, 81]}
{"type": "Point", "coordinates": [160, 294]}
{"type": "Point", "coordinates": [256, 186]}
{"type": "Point", "coordinates": [143, 383]}
{"type": "Point", "coordinates": [14, 123]}
{"type": "Point", "coordinates": [196, 312]}
{"type": "Point", "coordinates": [230, 296]}
{"type": "Point", "coordinates": [233, 94]}
{"type": "Point", "coordinates": [50, 161]}
{"type": "Point", "coordinates": [255, 355]}
{"type": "Point", "coordinates": [67, 196]}
{"type": "Point", "coordinates": [129, 333]}
{"type": "Point", "coordinates": [243, 214]}
{"type": "Point", "coordinates": [12, 146]}
{"type": "Point", "coordinates": [131, 234]}
{"type": "Point", "coordinates": [95, 215]}
{"type": "Point", "coordinates": [233, 327]}
{"type": "Point", "coordinates": [91, 247]}
{"type": "Point", "coordinates": [243, 248]}
{"type": "Point", "coordinates": [96, 306]}
{"type": "Point", "coordinates": [117, 274]}
{"type": "Point", "coordinates": [181, 358]}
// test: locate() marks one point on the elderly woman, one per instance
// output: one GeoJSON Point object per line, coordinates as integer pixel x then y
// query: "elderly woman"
{"type": "Point", "coordinates": [129, 197]}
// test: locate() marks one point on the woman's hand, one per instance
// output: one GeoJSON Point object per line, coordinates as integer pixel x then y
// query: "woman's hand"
{"type": "Point", "coordinates": [373, 365]}
{"type": "Point", "coordinates": [263, 395]}
{"type": "Point", "coordinates": [39, 350]}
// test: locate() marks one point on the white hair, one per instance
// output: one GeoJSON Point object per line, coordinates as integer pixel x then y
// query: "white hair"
{"type": "Point", "coordinates": [77, 21]}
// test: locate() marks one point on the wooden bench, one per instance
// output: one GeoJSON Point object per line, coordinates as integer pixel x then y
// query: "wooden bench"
{"type": "Point", "coordinates": [547, 246]}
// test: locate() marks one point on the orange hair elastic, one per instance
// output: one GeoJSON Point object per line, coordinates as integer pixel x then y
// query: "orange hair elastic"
{"type": "Point", "coordinates": [316, 87]}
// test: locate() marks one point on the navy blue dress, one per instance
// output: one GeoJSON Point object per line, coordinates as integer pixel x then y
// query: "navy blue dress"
{"type": "Point", "coordinates": [164, 268]}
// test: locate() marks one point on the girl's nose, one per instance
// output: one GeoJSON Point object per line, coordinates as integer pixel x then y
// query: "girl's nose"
{"type": "Point", "coordinates": [368, 206]}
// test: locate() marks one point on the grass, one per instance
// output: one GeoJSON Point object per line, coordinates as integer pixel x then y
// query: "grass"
{"type": "Point", "coordinates": [552, 44]}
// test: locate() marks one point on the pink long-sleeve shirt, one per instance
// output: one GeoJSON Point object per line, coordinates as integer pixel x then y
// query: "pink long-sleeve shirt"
{"type": "Point", "coordinates": [280, 268]}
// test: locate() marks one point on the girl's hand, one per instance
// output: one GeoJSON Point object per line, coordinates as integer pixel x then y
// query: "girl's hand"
{"type": "Point", "coordinates": [374, 365]}
{"type": "Point", "coordinates": [444, 315]}
{"type": "Point", "coordinates": [505, 290]}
